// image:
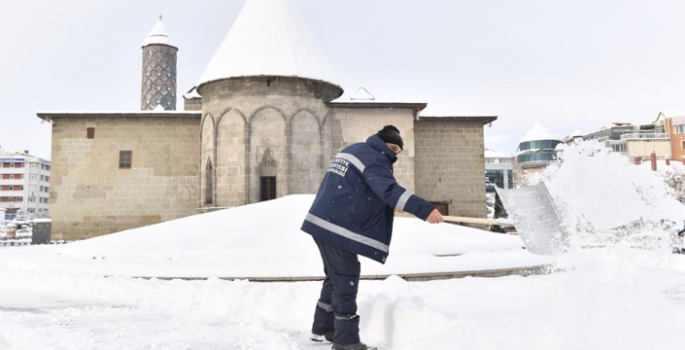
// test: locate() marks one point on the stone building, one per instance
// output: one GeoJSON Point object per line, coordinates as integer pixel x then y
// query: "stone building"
{"type": "Point", "coordinates": [263, 122]}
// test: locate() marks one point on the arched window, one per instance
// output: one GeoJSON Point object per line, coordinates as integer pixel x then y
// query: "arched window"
{"type": "Point", "coordinates": [209, 182]}
{"type": "Point", "coordinates": [267, 172]}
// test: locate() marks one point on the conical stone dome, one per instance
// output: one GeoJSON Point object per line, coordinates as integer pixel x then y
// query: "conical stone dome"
{"type": "Point", "coordinates": [269, 38]}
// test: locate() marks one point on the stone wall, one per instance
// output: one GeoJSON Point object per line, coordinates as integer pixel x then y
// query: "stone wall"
{"type": "Point", "coordinates": [450, 163]}
{"type": "Point", "coordinates": [282, 115]}
{"type": "Point", "coordinates": [91, 196]}
{"type": "Point", "coordinates": [345, 126]}
{"type": "Point", "coordinates": [192, 104]}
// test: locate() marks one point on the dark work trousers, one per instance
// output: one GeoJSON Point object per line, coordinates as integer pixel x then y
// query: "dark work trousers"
{"type": "Point", "coordinates": [337, 306]}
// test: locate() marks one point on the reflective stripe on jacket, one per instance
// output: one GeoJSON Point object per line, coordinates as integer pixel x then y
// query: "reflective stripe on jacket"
{"type": "Point", "coordinates": [354, 208]}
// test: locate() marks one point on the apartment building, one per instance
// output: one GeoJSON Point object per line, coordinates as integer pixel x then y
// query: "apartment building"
{"type": "Point", "coordinates": [24, 184]}
{"type": "Point", "coordinates": [635, 141]}
{"type": "Point", "coordinates": [675, 127]}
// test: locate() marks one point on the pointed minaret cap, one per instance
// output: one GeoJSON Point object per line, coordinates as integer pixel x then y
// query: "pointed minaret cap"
{"type": "Point", "coordinates": [269, 38]}
{"type": "Point", "coordinates": [158, 35]}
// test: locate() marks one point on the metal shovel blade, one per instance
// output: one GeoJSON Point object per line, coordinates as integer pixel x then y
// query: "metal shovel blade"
{"type": "Point", "coordinates": [536, 217]}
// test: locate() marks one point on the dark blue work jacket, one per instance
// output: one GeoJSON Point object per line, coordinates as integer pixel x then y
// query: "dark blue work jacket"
{"type": "Point", "coordinates": [354, 208]}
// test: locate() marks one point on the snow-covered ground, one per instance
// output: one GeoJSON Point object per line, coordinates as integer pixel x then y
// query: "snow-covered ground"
{"type": "Point", "coordinates": [620, 288]}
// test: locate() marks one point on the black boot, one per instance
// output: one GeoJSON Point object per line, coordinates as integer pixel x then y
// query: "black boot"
{"type": "Point", "coordinates": [358, 346]}
{"type": "Point", "coordinates": [319, 338]}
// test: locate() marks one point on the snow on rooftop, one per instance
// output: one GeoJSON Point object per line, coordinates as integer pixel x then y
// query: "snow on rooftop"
{"type": "Point", "coordinates": [493, 154]}
{"type": "Point", "coordinates": [158, 35]}
{"type": "Point", "coordinates": [126, 112]}
{"type": "Point", "coordinates": [539, 132]}
{"type": "Point", "coordinates": [362, 95]}
{"type": "Point", "coordinates": [269, 37]}
{"type": "Point", "coordinates": [191, 94]}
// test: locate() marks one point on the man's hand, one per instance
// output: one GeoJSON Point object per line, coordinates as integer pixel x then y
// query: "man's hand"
{"type": "Point", "coordinates": [435, 217]}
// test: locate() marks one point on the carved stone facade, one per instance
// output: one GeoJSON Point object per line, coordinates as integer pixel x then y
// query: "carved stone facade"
{"type": "Point", "coordinates": [159, 78]}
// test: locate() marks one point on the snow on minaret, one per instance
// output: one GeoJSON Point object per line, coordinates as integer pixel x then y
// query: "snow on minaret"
{"type": "Point", "coordinates": [158, 86]}
{"type": "Point", "coordinates": [269, 38]}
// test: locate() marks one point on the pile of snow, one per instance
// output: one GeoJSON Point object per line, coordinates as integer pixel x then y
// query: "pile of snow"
{"type": "Point", "coordinates": [674, 175]}
{"type": "Point", "coordinates": [264, 240]}
{"type": "Point", "coordinates": [632, 303]}
{"type": "Point", "coordinates": [604, 198]}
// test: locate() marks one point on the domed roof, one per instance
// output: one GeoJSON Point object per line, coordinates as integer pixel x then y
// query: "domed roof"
{"type": "Point", "coordinates": [269, 38]}
{"type": "Point", "coordinates": [158, 35]}
{"type": "Point", "coordinates": [539, 132]}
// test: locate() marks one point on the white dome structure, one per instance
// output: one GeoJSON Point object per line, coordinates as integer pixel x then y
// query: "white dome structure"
{"type": "Point", "coordinates": [537, 148]}
{"type": "Point", "coordinates": [539, 132]}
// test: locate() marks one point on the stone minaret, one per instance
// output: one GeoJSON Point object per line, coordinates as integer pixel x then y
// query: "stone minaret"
{"type": "Point", "coordinates": [159, 70]}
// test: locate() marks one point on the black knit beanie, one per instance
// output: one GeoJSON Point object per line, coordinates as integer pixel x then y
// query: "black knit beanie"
{"type": "Point", "coordinates": [391, 134]}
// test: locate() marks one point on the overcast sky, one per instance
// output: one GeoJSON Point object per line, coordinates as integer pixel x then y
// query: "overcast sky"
{"type": "Point", "coordinates": [572, 64]}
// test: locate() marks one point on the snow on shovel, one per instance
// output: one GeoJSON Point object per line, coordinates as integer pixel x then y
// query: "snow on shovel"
{"type": "Point", "coordinates": [536, 218]}
{"type": "Point", "coordinates": [532, 211]}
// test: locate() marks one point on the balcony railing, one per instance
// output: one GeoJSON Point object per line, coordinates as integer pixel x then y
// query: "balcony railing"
{"type": "Point", "coordinates": [644, 135]}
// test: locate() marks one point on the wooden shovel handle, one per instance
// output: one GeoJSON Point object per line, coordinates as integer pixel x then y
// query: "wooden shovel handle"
{"type": "Point", "coordinates": [460, 219]}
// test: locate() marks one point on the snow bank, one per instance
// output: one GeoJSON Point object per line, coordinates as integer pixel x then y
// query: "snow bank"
{"type": "Point", "coordinates": [604, 198]}
{"type": "Point", "coordinates": [264, 240]}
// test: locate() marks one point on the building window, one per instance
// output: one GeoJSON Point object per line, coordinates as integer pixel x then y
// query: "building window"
{"type": "Point", "coordinates": [91, 133]}
{"type": "Point", "coordinates": [443, 207]}
{"type": "Point", "coordinates": [679, 128]}
{"type": "Point", "coordinates": [11, 165]}
{"type": "Point", "coordinates": [125, 159]}
{"type": "Point", "coordinates": [268, 188]}
{"type": "Point", "coordinates": [682, 144]}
